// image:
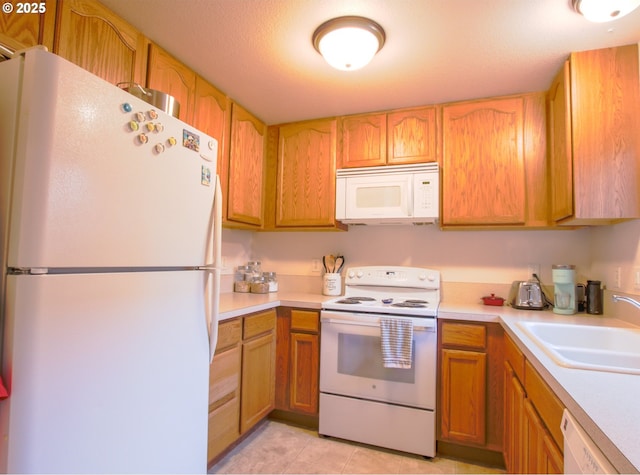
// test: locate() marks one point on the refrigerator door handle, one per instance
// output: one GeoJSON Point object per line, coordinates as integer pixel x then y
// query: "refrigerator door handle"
{"type": "Point", "coordinates": [217, 262]}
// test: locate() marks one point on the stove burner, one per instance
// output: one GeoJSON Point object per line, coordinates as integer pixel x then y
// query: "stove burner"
{"type": "Point", "coordinates": [355, 300]}
{"type": "Point", "coordinates": [410, 304]}
{"type": "Point", "coordinates": [416, 301]}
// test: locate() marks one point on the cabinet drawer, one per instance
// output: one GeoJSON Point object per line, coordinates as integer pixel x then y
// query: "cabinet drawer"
{"type": "Point", "coordinates": [229, 334]}
{"type": "Point", "coordinates": [514, 357]}
{"type": "Point", "coordinates": [259, 323]}
{"type": "Point", "coordinates": [224, 428]}
{"type": "Point", "coordinates": [224, 377]}
{"type": "Point", "coordinates": [304, 320]}
{"type": "Point", "coordinates": [468, 335]}
{"type": "Point", "coordinates": [545, 401]}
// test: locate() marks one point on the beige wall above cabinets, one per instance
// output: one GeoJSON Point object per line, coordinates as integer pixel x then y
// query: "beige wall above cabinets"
{"type": "Point", "coordinates": [302, 169]}
{"type": "Point", "coordinates": [494, 163]}
{"type": "Point", "coordinates": [594, 119]}
{"type": "Point", "coordinates": [394, 138]}
{"type": "Point", "coordinates": [99, 41]}
{"type": "Point", "coordinates": [21, 30]}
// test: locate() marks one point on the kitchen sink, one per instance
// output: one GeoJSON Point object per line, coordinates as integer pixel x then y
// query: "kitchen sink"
{"type": "Point", "coordinates": [599, 348]}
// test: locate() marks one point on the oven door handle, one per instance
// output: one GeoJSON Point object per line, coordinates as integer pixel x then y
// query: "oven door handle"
{"type": "Point", "coordinates": [375, 324]}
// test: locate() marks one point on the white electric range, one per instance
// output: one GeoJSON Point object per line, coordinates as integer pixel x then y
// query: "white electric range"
{"type": "Point", "coordinates": [360, 398]}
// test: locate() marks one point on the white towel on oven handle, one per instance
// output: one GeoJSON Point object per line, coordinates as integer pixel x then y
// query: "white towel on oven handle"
{"type": "Point", "coordinates": [396, 335]}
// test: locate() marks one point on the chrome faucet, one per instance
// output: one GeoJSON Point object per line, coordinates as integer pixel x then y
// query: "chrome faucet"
{"type": "Point", "coordinates": [620, 298]}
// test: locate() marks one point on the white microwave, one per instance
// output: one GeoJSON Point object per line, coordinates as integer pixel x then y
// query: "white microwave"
{"type": "Point", "coordinates": [400, 194]}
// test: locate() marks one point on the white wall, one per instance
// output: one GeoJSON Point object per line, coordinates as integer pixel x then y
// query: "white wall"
{"type": "Point", "coordinates": [613, 247]}
{"type": "Point", "coordinates": [461, 256]}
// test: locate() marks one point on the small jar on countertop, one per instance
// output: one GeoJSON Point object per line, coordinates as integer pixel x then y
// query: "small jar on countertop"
{"type": "Point", "coordinates": [272, 280]}
{"type": "Point", "coordinates": [259, 286]}
{"type": "Point", "coordinates": [240, 284]}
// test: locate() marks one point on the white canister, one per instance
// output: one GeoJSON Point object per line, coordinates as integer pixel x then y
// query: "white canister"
{"type": "Point", "coordinates": [332, 284]}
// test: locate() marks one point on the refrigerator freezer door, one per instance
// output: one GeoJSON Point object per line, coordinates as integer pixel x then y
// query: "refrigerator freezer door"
{"type": "Point", "coordinates": [102, 179]}
{"type": "Point", "coordinates": [108, 373]}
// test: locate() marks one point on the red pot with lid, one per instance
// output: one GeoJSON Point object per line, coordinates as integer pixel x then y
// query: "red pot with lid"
{"type": "Point", "coordinates": [493, 300]}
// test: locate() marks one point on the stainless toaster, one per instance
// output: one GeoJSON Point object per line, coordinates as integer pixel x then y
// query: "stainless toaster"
{"type": "Point", "coordinates": [526, 295]}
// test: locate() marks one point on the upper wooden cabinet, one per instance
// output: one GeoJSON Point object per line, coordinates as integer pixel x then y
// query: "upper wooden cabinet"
{"type": "Point", "coordinates": [411, 136]}
{"type": "Point", "coordinates": [99, 41]}
{"type": "Point", "coordinates": [394, 138]}
{"type": "Point", "coordinates": [212, 115]}
{"type": "Point", "coordinates": [364, 140]}
{"type": "Point", "coordinates": [306, 175]}
{"type": "Point", "coordinates": [167, 74]}
{"type": "Point", "coordinates": [561, 158]}
{"type": "Point", "coordinates": [244, 175]}
{"type": "Point", "coordinates": [22, 30]}
{"type": "Point", "coordinates": [594, 118]}
{"type": "Point", "coordinates": [494, 162]}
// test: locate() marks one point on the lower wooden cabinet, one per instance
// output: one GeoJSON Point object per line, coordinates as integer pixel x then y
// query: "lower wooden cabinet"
{"type": "Point", "coordinates": [224, 388]}
{"type": "Point", "coordinates": [514, 440]}
{"type": "Point", "coordinates": [241, 378]}
{"type": "Point", "coordinates": [532, 435]}
{"type": "Point", "coordinates": [543, 455]}
{"type": "Point", "coordinates": [258, 368]}
{"type": "Point", "coordinates": [463, 395]}
{"type": "Point", "coordinates": [470, 390]}
{"type": "Point", "coordinates": [298, 361]}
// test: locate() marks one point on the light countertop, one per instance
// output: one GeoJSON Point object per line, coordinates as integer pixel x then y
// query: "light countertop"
{"type": "Point", "coordinates": [607, 405]}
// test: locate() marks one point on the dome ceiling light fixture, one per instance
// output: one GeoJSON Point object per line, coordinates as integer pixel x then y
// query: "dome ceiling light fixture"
{"type": "Point", "coordinates": [600, 11]}
{"type": "Point", "coordinates": [348, 43]}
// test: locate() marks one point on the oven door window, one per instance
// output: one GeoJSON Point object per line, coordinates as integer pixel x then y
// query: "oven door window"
{"type": "Point", "coordinates": [360, 355]}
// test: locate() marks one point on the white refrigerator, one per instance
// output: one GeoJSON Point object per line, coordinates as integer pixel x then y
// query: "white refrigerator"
{"type": "Point", "coordinates": [110, 228]}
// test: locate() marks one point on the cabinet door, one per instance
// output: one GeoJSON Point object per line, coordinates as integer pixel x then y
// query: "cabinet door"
{"type": "Point", "coordinates": [552, 460]}
{"type": "Point", "coordinates": [212, 115]}
{"type": "Point", "coordinates": [224, 401]}
{"type": "Point", "coordinates": [561, 160]}
{"type": "Point", "coordinates": [169, 75]}
{"type": "Point", "coordinates": [245, 181]}
{"type": "Point", "coordinates": [412, 136]}
{"type": "Point", "coordinates": [97, 40]}
{"type": "Point", "coordinates": [364, 140]}
{"type": "Point", "coordinates": [258, 380]}
{"type": "Point", "coordinates": [306, 176]}
{"type": "Point", "coordinates": [304, 374]}
{"type": "Point", "coordinates": [483, 163]}
{"type": "Point", "coordinates": [463, 402]}
{"type": "Point", "coordinates": [605, 113]}
{"type": "Point", "coordinates": [19, 30]}
{"type": "Point", "coordinates": [543, 455]}
{"type": "Point", "coordinates": [514, 437]}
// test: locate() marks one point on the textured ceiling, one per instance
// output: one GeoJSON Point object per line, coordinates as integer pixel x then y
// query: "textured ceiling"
{"type": "Point", "coordinates": [259, 52]}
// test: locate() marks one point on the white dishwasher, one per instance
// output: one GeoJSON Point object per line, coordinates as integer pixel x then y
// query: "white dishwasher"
{"type": "Point", "coordinates": [581, 455]}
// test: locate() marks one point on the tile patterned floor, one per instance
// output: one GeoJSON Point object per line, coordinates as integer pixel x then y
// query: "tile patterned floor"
{"type": "Point", "coordinates": [275, 447]}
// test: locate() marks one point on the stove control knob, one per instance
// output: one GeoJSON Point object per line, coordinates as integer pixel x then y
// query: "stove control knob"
{"type": "Point", "coordinates": [351, 274]}
{"type": "Point", "coordinates": [422, 277]}
{"type": "Point", "coordinates": [431, 277]}
{"type": "Point", "coordinates": [359, 274]}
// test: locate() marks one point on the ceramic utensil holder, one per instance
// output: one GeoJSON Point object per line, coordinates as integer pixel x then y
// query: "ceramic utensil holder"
{"type": "Point", "coordinates": [332, 284]}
